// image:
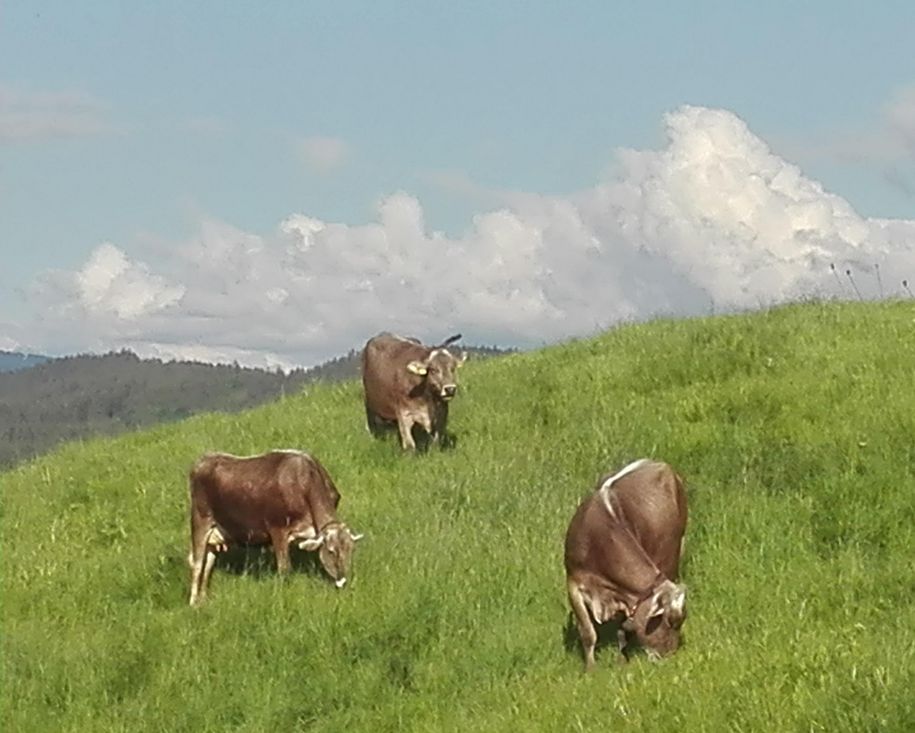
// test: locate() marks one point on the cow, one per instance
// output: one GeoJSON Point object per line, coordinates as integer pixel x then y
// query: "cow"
{"type": "Point", "coordinates": [407, 384]}
{"type": "Point", "coordinates": [277, 498]}
{"type": "Point", "coordinates": [622, 559]}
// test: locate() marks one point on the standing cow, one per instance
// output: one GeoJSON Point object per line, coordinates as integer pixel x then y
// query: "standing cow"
{"type": "Point", "coordinates": [408, 384]}
{"type": "Point", "coordinates": [278, 498]}
{"type": "Point", "coordinates": [622, 558]}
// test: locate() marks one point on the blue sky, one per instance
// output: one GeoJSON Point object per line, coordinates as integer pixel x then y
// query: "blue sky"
{"type": "Point", "coordinates": [147, 125]}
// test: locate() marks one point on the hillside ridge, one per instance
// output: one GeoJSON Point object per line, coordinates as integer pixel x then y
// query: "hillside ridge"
{"type": "Point", "coordinates": [792, 428]}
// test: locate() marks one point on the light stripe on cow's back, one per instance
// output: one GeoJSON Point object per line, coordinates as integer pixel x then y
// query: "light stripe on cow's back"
{"type": "Point", "coordinates": [289, 451]}
{"type": "Point", "coordinates": [605, 487]}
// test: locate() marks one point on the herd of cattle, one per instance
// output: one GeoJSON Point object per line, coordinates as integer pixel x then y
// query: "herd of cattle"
{"type": "Point", "coordinates": [622, 547]}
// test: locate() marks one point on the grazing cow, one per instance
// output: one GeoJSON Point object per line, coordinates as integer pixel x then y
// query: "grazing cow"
{"type": "Point", "coordinates": [278, 498]}
{"type": "Point", "coordinates": [408, 384]}
{"type": "Point", "coordinates": [622, 558]}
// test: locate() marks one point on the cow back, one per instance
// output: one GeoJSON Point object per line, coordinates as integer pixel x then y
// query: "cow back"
{"type": "Point", "coordinates": [248, 496]}
{"type": "Point", "coordinates": [652, 502]}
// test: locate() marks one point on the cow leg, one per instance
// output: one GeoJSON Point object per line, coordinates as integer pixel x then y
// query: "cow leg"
{"type": "Point", "coordinates": [280, 541]}
{"type": "Point", "coordinates": [622, 641]}
{"type": "Point", "coordinates": [586, 630]}
{"type": "Point", "coordinates": [427, 424]}
{"type": "Point", "coordinates": [197, 559]}
{"type": "Point", "coordinates": [208, 565]}
{"type": "Point", "coordinates": [405, 426]}
{"type": "Point", "coordinates": [372, 423]}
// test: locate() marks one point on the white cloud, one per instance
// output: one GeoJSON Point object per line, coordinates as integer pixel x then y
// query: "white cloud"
{"type": "Point", "coordinates": [323, 154]}
{"type": "Point", "coordinates": [109, 286]}
{"type": "Point", "coordinates": [713, 220]}
{"type": "Point", "coordinates": [27, 115]}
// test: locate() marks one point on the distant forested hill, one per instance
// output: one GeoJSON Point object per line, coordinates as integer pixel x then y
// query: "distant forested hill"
{"type": "Point", "coordinates": [11, 361]}
{"type": "Point", "coordinates": [81, 396]}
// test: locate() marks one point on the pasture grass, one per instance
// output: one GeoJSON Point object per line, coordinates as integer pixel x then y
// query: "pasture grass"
{"type": "Point", "coordinates": [794, 429]}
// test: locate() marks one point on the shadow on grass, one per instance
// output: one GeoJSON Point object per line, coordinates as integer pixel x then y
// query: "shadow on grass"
{"type": "Point", "coordinates": [383, 430]}
{"type": "Point", "coordinates": [606, 638]}
{"type": "Point", "coordinates": [424, 442]}
{"type": "Point", "coordinates": [259, 561]}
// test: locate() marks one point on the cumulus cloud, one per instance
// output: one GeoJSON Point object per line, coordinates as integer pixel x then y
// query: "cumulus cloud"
{"type": "Point", "coordinates": [711, 221]}
{"type": "Point", "coordinates": [27, 115]}
{"type": "Point", "coordinates": [110, 290]}
{"type": "Point", "coordinates": [323, 154]}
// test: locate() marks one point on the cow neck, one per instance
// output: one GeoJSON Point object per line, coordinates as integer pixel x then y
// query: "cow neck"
{"type": "Point", "coordinates": [321, 514]}
{"type": "Point", "coordinates": [658, 580]}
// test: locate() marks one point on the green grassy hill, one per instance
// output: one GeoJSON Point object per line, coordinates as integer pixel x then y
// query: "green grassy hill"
{"type": "Point", "coordinates": [794, 429]}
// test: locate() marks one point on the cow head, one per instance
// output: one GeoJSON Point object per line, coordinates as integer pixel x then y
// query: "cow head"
{"type": "Point", "coordinates": [335, 550]}
{"type": "Point", "coordinates": [657, 619]}
{"type": "Point", "coordinates": [439, 370]}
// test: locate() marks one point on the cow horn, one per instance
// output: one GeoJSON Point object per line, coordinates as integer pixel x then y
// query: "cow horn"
{"type": "Point", "coordinates": [356, 537]}
{"type": "Point", "coordinates": [451, 340]}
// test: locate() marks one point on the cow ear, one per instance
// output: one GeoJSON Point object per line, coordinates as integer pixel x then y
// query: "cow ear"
{"type": "Point", "coordinates": [417, 367]}
{"type": "Point", "coordinates": [313, 544]}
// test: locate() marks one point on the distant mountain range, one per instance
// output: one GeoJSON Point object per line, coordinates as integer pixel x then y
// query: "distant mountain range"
{"type": "Point", "coordinates": [11, 361]}
{"type": "Point", "coordinates": [45, 401]}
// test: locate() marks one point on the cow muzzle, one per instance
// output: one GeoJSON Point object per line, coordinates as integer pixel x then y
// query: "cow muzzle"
{"type": "Point", "coordinates": [448, 391]}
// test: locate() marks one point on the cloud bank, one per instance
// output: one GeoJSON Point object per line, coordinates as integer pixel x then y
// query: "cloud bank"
{"type": "Point", "coordinates": [711, 221]}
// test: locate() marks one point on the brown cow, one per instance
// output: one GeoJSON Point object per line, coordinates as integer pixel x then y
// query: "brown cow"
{"type": "Point", "coordinates": [279, 497]}
{"type": "Point", "coordinates": [408, 384]}
{"type": "Point", "coordinates": [622, 558]}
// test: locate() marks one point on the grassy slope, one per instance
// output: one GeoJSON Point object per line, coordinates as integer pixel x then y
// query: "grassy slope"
{"type": "Point", "coordinates": [795, 430]}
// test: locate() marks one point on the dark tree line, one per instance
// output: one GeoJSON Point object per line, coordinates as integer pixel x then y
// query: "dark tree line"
{"type": "Point", "coordinates": [81, 396]}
